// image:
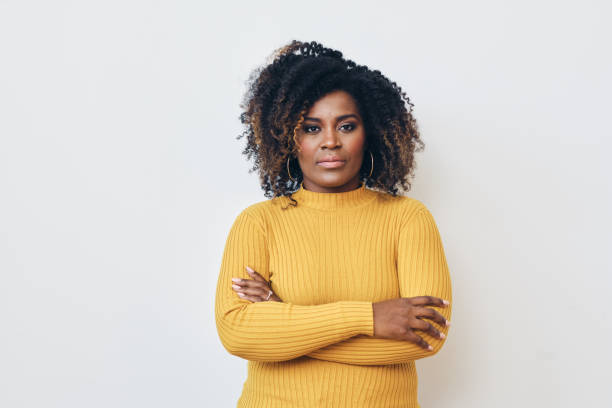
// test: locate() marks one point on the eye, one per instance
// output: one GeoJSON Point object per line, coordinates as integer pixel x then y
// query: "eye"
{"type": "Point", "coordinates": [351, 126]}
{"type": "Point", "coordinates": [306, 128]}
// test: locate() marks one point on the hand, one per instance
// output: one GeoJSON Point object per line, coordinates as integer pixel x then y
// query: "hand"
{"type": "Point", "coordinates": [398, 318]}
{"type": "Point", "coordinates": [256, 289]}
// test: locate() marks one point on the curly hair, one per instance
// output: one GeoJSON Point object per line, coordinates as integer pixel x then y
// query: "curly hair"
{"type": "Point", "coordinates": [280, 93]}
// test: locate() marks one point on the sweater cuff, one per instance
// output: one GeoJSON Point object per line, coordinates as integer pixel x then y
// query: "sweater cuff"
{"type": "Point", "coordinates": [360, 316]}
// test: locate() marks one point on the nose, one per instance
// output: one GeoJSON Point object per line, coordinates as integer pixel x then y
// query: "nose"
{"type": "Point", "coordinates": [330, 139]}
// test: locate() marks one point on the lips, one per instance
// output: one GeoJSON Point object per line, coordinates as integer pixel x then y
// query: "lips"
{"type": "Point", "coordinates": [331, 162]}
{"type": "Point", "coordinates": [331, 159]}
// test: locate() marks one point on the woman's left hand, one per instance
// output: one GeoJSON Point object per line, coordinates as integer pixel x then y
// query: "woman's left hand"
{"type": "Point", "coordinates": [256, 289]}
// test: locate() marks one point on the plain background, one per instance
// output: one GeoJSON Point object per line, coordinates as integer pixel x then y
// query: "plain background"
{"type": "Point", "coordinates": [120, 176]}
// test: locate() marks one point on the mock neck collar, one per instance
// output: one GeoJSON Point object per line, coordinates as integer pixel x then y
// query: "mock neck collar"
{"type": "Point", "coordinates": [334, 201]}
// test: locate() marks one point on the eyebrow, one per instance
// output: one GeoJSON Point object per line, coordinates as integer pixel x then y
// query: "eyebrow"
{"type": "Point", "coordinates": [339, 118]}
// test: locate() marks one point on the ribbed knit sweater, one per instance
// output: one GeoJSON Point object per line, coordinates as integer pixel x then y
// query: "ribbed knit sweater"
{"type": "Point", "coordinates": [329, 259]}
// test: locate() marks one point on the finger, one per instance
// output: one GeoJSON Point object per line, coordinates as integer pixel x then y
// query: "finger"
{"type": "Point", "coordinates": [431, 314]}
{"type": "Point", "coordinates": [428, 328]}
{"type": "Point", "coordinates": [246, 282]}
{"type": "Point", "coordinates": [254, 274]}
{"type": "Point", "coordinates": [418, 340]}
{"type": "Point", "coordinates": [242, 285]}
{"type": "Point", "coordinates": [241, 282]}
{"type": "Point", "coordinates": [250, 298]}
{"type": "Point", "coordinates": [255, 285]}
{"type": "Point", "coordinates": [260, 292]}
{"type": "Point", "coordinates": [254, 288]}
{"type": "Point", "coordinates": [247, 287]}
{"type": "Point", "coordinates": [428, 301]}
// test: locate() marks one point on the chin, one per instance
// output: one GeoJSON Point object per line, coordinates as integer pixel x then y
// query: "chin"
{"type": "Point", "coordinates": [331, 182]}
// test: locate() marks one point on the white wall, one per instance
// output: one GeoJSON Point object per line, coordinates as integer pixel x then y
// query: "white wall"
{"type": "Point", "coordinates": [120, 176]}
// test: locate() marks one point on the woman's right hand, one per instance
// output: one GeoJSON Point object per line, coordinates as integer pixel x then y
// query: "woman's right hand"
{"type": "Point", "coordinates": [399, 318]}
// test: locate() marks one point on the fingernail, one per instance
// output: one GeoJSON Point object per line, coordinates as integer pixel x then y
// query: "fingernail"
{"type": "Point", "coordinates": [430, 348]}
{"type": "Point", "coordinates": [446, 302]}
{"type": "Point", "coordinates": [241, 294]}
{"type": "Point", "coordinates": [235, 286]}
{"type": "Point", "coordinates": [236, 279]}
{"type": "Point", "coordinates": [249, 269]}
{"type": "Point", "coordinates": [442, 335]}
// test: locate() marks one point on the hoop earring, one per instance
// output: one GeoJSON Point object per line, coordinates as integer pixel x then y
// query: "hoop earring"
{"type": "Point", "coordinates": [372, 165]}
{"type": "Point", "coordinates": [289, 172]}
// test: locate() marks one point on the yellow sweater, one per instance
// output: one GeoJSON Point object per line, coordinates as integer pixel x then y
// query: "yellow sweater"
{"type": "Point", "coordinates": [329, 259]}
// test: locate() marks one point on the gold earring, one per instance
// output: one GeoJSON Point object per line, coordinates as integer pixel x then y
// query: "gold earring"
{"type": "Point", "coordinates": [289, 172]}
{"type": "Point", "coordinates": [372, 165]}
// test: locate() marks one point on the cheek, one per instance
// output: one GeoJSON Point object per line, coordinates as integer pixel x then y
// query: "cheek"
{"type": "Point", "coordinates": [356, 145]}
{"type": "Point", "coordinates": [306, 154]}
{"type": "Point", "coordinates": [307, 148]}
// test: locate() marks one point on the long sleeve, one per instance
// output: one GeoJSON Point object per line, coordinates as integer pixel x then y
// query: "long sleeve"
{"type": "Point", "coordinates": [422, 270]}
{"type": "Point", "coordinates": [275, 331]}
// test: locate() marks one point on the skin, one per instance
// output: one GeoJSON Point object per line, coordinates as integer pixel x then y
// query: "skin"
{"type": "Point", "coordinates": [333, 126]}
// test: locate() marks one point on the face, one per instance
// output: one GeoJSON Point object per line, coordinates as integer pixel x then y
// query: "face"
{"type": "Point", "coordinates": [332, 130]}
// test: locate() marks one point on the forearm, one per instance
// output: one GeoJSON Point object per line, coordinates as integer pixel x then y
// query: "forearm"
{"type": "Point", "coordinates": [422, 271]}
{"type": "Point", "coordinates": [368, 350]}
{"type": "Point", "coordinates": [362, 350]}
{"type": "Point", "coordinates": [276, 331]}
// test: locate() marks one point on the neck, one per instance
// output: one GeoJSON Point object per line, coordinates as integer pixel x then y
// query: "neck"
{"type": "Point", "coordinates": [334, 201]}
{"type": "Point", "coordinates": [350, 185]}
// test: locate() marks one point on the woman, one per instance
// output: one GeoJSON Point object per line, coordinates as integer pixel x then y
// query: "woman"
{"type": "Point", "coordinates": [336, 284]}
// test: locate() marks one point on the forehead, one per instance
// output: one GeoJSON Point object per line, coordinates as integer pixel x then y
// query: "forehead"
{"type": "Point", "coordinates": [333, 104]}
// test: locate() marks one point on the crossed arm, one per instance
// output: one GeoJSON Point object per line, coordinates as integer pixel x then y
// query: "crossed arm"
{"type": "Point", "coordinates": [339, 331]}
{"type": "Point", "coordinates": [422, 271]}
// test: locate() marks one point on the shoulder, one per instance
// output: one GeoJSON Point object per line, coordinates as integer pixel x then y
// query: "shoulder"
{"type": "Point", "coordinates": [416, 215]}
{"type": "Point", "coordinates": [260, 209]}
{"type": "Point", "coordinates": [405, 208]}
{"type": "Point", "coordinates": [402, 204]}
{"type": "Point", "coordinates": [257, 214]}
